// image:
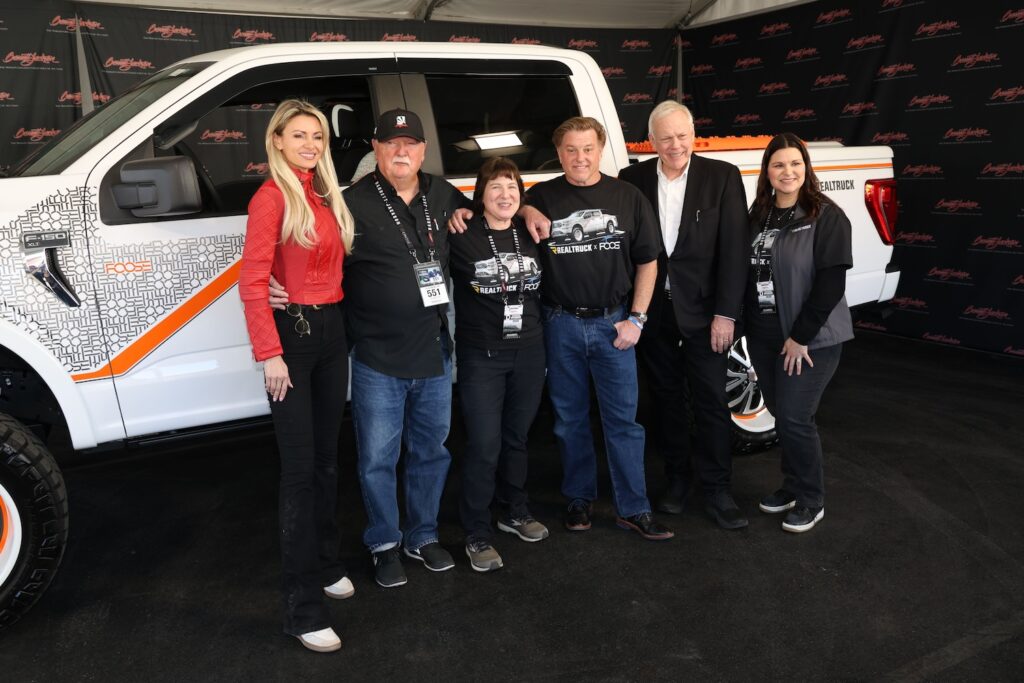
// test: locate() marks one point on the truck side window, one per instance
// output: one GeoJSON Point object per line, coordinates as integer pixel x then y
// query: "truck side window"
{"type": "Point", "coordinates": [512, 116]}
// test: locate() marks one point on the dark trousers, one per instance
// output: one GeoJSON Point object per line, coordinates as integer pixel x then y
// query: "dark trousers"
{"type": "Point", "coordinates": [672, 360]}
{"type": "Point", "coordinates": [307, 424]}
{"type": "Point", "coordinates": [793, 400]}
{"type": "Point", "coordinates": [499, 391]}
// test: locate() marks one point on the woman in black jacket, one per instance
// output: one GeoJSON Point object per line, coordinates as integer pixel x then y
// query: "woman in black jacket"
{"type": "Point", "coordinates": [796, 317]}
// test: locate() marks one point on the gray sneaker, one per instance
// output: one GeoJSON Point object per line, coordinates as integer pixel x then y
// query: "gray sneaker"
{"type": "Point", "coordinates": [525, 527]}
{"type": "Point", "coordinates": [482, 557]}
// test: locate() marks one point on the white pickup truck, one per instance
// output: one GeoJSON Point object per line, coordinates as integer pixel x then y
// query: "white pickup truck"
{"type": "Point", "coordinates": [121, 241]}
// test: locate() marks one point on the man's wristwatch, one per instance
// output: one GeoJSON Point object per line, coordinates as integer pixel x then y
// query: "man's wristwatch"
{"type": "Point", "coordinates": [637, 318]}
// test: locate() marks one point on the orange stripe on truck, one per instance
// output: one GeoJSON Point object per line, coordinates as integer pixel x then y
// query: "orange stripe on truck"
{"type": "Point", "coordinates": [130, 356]}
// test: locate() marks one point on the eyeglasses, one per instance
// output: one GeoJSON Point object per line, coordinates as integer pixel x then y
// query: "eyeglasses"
{"type": "Point", "coordinates": [301, 325]}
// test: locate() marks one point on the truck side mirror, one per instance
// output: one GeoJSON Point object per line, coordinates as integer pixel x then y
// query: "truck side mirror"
{"type": "Point", "coordinates": [163, 186]}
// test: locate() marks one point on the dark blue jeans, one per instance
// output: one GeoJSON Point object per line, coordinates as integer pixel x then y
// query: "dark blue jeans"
{"type": "Point", "coordinates": [388, 412]}
{"type": "Point", "coordinates": [499, 391]}
{"type": "Point", "coordinates": [579, 349]}
{"type": "Point", "coordinates": [793, 400]}
{"type": "Point", "coordinates": [307, 424]}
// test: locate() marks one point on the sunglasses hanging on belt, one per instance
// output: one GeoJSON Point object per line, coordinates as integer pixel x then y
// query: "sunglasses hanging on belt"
{"type": "Point", "coordinates": [301, 325]}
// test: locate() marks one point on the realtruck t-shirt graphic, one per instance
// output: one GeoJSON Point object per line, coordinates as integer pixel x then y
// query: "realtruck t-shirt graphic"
{"type": "Point", "coordinates": [584, 231]}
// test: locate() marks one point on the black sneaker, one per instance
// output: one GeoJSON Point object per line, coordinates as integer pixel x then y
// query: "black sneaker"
{"type": "Point", "coordinates": [387, 566]}
{"type": "Point", "coordinates": [645, 525]}
{"type": "Point", "coordinates": [780, 501]}
{"type": "Point", "coordinates": [802, 518]}
{"type": "Point", "coordinates": [577, 517]}
{"type": "Point", "coordinates": [433, 556]}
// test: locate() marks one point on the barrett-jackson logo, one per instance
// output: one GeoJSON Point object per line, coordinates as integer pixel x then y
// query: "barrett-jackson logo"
{"type": "Point", "coordinates": [864, 42]}
{"type": "Point", "coordinates": [5, 96]}
{"type": "Point", "coordinates": [1018, 281]}
{"type": "Point", "coordinates": [399, 38]}
{"type": "Point", "coordinates": [909, 302]}
{"type": "Point", "coordinates": [252, 35]}
{"type": "Point", "coordinates": [965, 134]}
{"type": "Point", "coordinates": [858, 108]}
{"type": "Point", "coordinates": [828, 80]}
{"type": "Point", "coordinates": [833, 16]}
{"type": "Point", "coordinates": [955, 205]}
{"type": "Point", "coordinates": [894, 70]}
{"type": "Point", "coordinates": [941, 338]}
{"type": "Point", "coordinates": [681, 42]}
{"type": "Point", "coordinates": [724, 39]}
{"type": "Point", "coordinates": [974, 59]}
{"type": "Point", "coordinates": [986, 313]}
{"type": "Point", "coordinates": [29, 58]}
{"type": "Point", "coordinates": [925, 101]}
{"type": "Point", "coordinates": [76, 97]}
{"type": "Point", "coordinates": [773, 88]}
{"type": "Point", "coordinates": [747, 119]}
{"type": "Point", "coordinates": [702, 69]}
{"type": "Point", "coordinates": [635, 45]}
{"type": "Point", "coordinates": [222, 135]}
{"type": "Point", "coordinates": [992, 243]}
{"type": "Point", "coordinates": [949, 274]}
{"type": "Point", "coordinates": [613, 72]}
{"type": "Point", "coordinates": [890, 137]}
{"type": "Point", "coordinates": [776, 28]}
{"type": "Point", "coordinates": [703, 122]}
{"type": "Point", "coordinates": [1015, 16]}
{"type": "Point", "coordinates": [1008, 94]}
{"type": "Point", "coordinates": [329, 37]}
{"type": "Point", "coordinates": [463, 39]}
{"type": "Point", "coordinates": [748, 63]}
{"type": "Point", "coordinates": [170, 31]}
{"type": "Point", "coordinates": [1012, 351]}
{"type": "Point", "coordinates": [659, 71]}
{"type": "Point", "coordinates": [257, 168]}
{"type": "Point", "coordinates": [582, 44]}
{"type": "Point", "coordinates": [1000, 170]}
{"type": "Point", "coordinates": [801, 54]}
{"type": "Point", "coordinates": [72, 23]}
{"type": "Point", "coordinates": [799, 115]}
{"type": "Point", "coordinates": [937, 28]}
{"type": "Point", "coordinates": [36, 134]}
{"type": "Point", "coordinates": [869, 325]}
{"type": "Point", "coordinates": [915, 238]}
{"type": "Point", "coordinates": [128, 64]}
{"type": "Point", "coordinates": [922, 170]}
{"type": "Point", "coordinates": [526, 41]}
{"type": "Point", "coordinates": [636, 98]}
{"type": "Point", "coordinates": [723, 94]}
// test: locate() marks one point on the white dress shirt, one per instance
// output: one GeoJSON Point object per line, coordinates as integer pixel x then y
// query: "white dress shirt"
{"type": "Point", "coordinates": [670, 208]}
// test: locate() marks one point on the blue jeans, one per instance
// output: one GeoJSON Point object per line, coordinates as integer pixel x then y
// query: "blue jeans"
{"type": "Point", "coordinates": [388, 412]}
{"type": "Point", "coordinates": [578, 349]}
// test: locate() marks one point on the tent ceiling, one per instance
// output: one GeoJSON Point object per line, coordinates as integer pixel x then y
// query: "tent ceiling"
{"type": "Point", "coordinates": [571, 13]}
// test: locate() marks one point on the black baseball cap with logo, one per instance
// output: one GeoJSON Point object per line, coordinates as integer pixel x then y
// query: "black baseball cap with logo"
{"type": "Point", "coordinates": [398, 123]}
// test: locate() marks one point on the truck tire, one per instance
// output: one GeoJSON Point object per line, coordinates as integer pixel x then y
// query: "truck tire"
{"type": "Point", "coordinates": [34, 518]}
{"type": "Point", "coordinates": [577, 233]}
{"type": "Point", "coordinates": [753, 426]}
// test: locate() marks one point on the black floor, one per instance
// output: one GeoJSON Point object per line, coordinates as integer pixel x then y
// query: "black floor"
{"type": "Point", "coordinates": [916, 572]}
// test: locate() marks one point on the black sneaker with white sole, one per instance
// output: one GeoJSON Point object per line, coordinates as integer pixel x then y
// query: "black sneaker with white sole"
{"type": "Point", "coordinates": [802, 518]}
{"type": "Point", "coordinates": [780, 501]}
{"type": "Point", "coordinates": [433, 556]}
{"type": "Point", "coordinates": [387, 568]}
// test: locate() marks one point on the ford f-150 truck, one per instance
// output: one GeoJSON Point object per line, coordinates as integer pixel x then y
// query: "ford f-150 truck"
{"type": "Point", "coordinates": [121, 242]}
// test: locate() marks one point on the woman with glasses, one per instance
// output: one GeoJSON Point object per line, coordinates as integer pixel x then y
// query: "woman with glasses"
{"type": "Point", "coordinates": [299, 231]}
{"type": "Point", "coordinates": [795, 316]}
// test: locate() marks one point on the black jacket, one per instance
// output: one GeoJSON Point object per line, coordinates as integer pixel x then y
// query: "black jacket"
{"type": "Point", "coordinates": [708, 267]}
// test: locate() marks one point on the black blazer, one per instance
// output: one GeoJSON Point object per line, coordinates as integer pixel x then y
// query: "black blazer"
{"type": "Point", "coordinates": [708, 267]}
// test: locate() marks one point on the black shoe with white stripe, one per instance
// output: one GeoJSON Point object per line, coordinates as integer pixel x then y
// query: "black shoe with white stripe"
{"type": "Point", "coordinates": [802, 518]}
{"type": "Point", "coordinates": [780, 501]}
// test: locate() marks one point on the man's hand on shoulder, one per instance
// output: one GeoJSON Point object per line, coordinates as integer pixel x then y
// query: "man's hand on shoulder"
{"type": "Point", "coordinates": [537, 224]}
{"type": "Point", "coordinates": [459, 220]}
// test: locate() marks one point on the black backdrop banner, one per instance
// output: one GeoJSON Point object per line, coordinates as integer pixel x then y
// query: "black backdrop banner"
{"type": "Point", "coordinates": [940, 83]}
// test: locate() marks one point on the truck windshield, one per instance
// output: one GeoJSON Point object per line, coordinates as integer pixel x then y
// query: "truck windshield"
{"type": "Point", "coordinates": [98, 124]}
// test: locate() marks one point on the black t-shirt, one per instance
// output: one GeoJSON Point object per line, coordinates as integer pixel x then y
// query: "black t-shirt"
{"type": "Point", "coordinates": [480, 281]}
{"type": "Point", "coordinates": [389, 328]}
{"type": "Point", "coordinates": [599, 233]}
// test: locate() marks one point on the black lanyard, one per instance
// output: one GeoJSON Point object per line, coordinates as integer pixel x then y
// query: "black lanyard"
{"type": "Point", "coordinates": [405, 236]}
{"type": "Point", "coordinates": [783, 218]}
{"type": "Point", "coordinates": [497, 261]}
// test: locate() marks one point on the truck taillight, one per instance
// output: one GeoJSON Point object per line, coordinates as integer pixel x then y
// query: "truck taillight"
{"type": "Point", "coordinates": [880, 197]}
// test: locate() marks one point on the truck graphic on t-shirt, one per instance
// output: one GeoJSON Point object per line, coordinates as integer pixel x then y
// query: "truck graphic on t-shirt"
{"type": "Point", "coordinates": [490, 272]}
{"type": "Point", "coordinates": [585, 224]}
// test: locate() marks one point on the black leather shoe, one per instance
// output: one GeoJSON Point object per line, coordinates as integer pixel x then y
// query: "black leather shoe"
{"type": "Point", "coordinates": [645, 525]}
{"type": "Point", "coordinates": [722, 508]}
{"type": "Point", "coordinates": [673, 501]}
{"type": "Point", "coordinates": [577, 517]}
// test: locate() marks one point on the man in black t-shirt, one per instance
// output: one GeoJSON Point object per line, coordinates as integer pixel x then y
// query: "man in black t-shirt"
{"type": "Point", "coordinates": [603, 245]}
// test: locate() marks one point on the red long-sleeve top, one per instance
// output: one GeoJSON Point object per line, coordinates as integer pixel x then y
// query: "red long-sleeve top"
{"type": "Point", "coordinates": [310, 276]}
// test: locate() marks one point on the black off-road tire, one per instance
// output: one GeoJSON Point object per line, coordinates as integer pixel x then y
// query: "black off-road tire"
{"type": "Point", "coordinates": [35, 504]}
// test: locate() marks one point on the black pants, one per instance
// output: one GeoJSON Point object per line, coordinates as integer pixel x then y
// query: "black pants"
{"type": "Point", "coordinates": [672, 360]}
{"type": "Point", "coordinates": [307, 424]}
{"type": "Point", "coordinates": [499, 391]}
{"type": "Point", "coordinates": [793, 400]}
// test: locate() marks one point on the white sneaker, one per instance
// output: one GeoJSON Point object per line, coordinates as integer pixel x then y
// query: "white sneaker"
{"type": "Point", "coordinates": [340, 590]}
{"type": "Point", "coordinates": [324, 640]}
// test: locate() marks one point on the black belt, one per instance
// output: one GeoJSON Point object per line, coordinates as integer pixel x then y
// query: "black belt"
{"type": "Point", "coordinates": [294, 309]}
{"type": "Point", "coordinates": [585, 311]}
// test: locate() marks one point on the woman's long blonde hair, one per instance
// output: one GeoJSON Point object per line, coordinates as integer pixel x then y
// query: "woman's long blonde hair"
{"type": "Point", "coordinates": [298, 224]}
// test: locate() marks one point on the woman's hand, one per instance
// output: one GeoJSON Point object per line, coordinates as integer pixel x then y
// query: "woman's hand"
{"type": "Point", "coordinates": [795, 354]}
{"type": "Point", "coordinates": [275, 378]}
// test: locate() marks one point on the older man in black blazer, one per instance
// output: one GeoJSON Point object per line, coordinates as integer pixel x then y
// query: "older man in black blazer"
{"type": "Point", "coordinates": [702, 270]}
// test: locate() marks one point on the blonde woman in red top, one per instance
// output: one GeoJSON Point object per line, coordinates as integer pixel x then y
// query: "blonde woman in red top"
{"type": "Point", "coordinates": [299, 231]}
